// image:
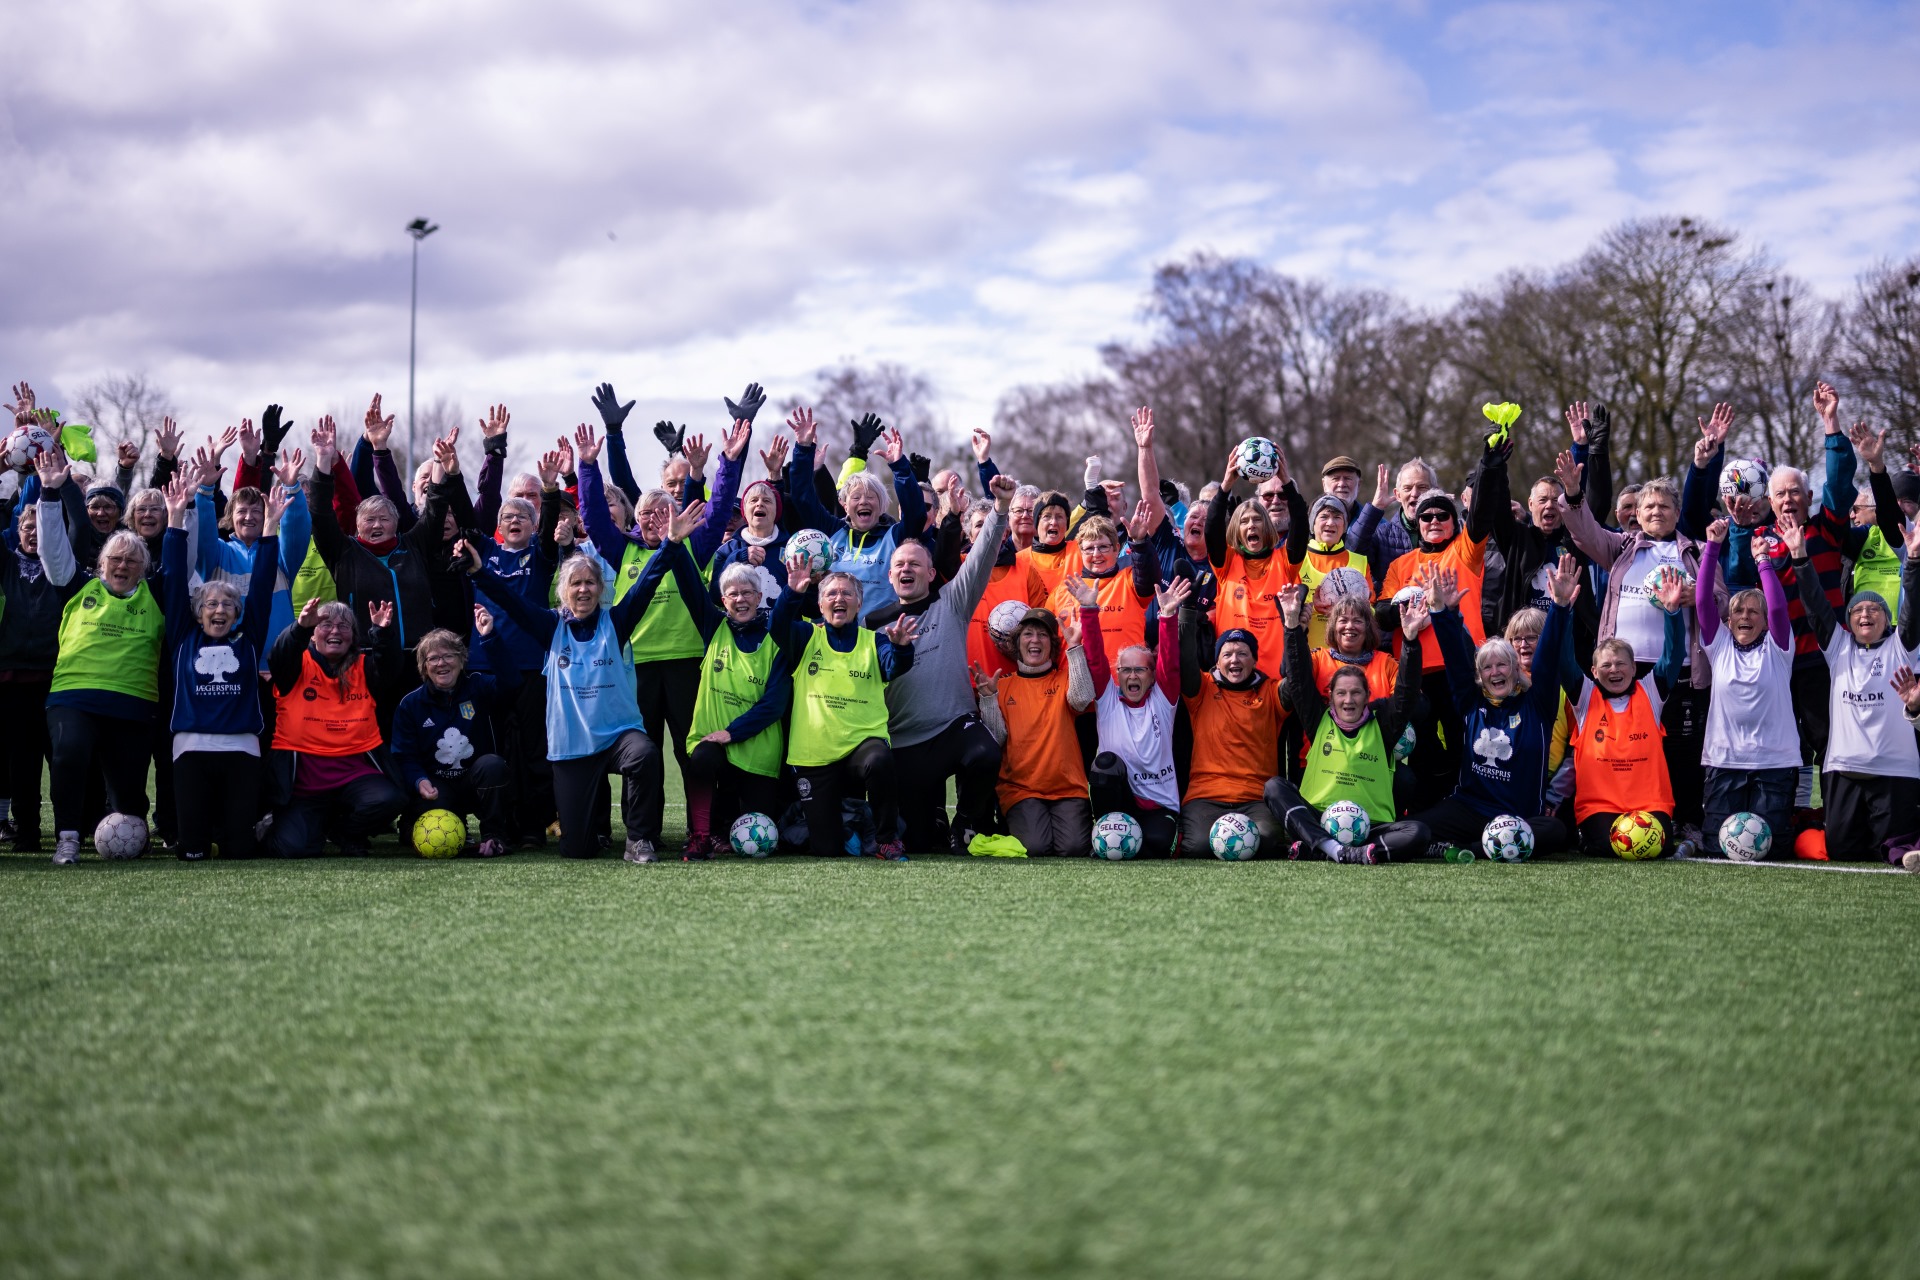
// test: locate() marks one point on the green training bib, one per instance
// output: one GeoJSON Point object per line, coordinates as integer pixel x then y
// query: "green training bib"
{"type": "Point", "coordinates": [731, 681]}
{"type": "Point", "coordinates": [839, 700]}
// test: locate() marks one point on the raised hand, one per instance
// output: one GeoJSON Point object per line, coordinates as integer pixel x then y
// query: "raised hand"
{"type": "Point", "coordinates": [1826, 403]}
{"type": "Point", "coordinates": [904, 630]}
{"type": "Point", "coordinates": [381, 614]}
{"type": "Point", "coordinates": [126, 453]}
{"type": "Point", "coordinates": [737, 438]}
{"type": "Point", "coordinates": [1143, 428]}
{"type": "Point", "coordinates": [1670, 589]}
{"type": "Point", "coordinates": [166, 441]}
{"type": "Point", "coordinates": [1869, 445]}
{"type": "Point", "coordinates": [866, 429]}
{"type": "Point", "coordinates": [287, 468]}
{"type": "Point", "coordinates": [984, 685]}
{"type": "Point", "coordinates": [22, 405]}
{"type": "Point", "coordinates": [466, 556]}
{"type": "Point", "coordinates": [325, 441]}
{"type": "Point", "coordinates": [1081, 590]}
{"type": "Point", "coordinates": [1907, 685]}
{"type": "Point", "coordinates": [774, 456]}
{"type": "Point", "coordinates": [278, 500]}
{"type": "Point", "coordinates": [1913, 539]}
{"type": "Point", "coordinates": [1140, 525]}
{"type": "Point", "coordinates": [1793, 533]}
{"type": "Point", "coordinates": [1569, 472]}
{"type": "Point", "coordinates": [378, 429]}
{"type": "Point", "coordinates": [206, 467]}
{"type": "Point", "coordinates": [1382, 489]}
{"type": "Point", "coordinates": [495, 423]}
{"type": "Point", "coordinates": [273, 428]}
{"type": "Point", "coordinates": [564, 447]}
{"type": "Point", "coordinates": [1070, 631]}
{"type": "Point", "coordinates": [1577, 421]}
{"type": "Point", "coordinates": [548, 468]}
{"type": "Point", "coordinates": [1116, 491]}
{"type": "Point", "coordinates": [1170, 595]}
{"type": "Point", "coordinates": [1564, 581]}
{"type": "Point", "coordinates": [249, 441]}
{"type": "Point", "coordinates": [696, 450]}
{"type": "Point", "coordinates": [223, 442]}
{"type": "Point", "coordinates": [1717, 532]}
{"type": "Point", "coordinates": [1415, 617]}
{"type": "Point", "coordinates": [1443, 590]}
{"type": "Point", "coordinates": [53, 468]}
{"type": "Point", "coordinates": [586, 445]}
{"type": "Point", "coordinates": [613, 414]}
{"type": "Point", "coordinates": [892, 447]}
{"type": "Point", "coordinates": [1280, 471]}
{"type": "Point", "coordinates": [682, 523]}
{"type": "Point", "coordinates": [445, 455]}
{"type": "Point", "coordinates": [1713, 434]}
{"type": "Point", "coordinates": [801, 423]}
{"type": "Point", "coordinates": [799, 574]}
{"type": "Point", "coordinates": [309, 614]}
{"type": "Point", "coordinates": [750, 402]}
{"type": "Point", "coordinates": [1293, 603]}
{"type": "Point", "coordinates": [1002, 488]}
{"type": "Point", "coordinates": [482, 620]}
{"type": "Point", "coordinates": [179, 496]}
{"type": "Point", "coordinates": [982, 445]}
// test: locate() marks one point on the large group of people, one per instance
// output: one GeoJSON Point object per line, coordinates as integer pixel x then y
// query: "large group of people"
{"type": "Point", "coordinates": [307, 648]}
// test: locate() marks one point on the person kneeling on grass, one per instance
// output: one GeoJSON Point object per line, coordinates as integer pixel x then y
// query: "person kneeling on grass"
{"type": "Point", "coordinates": [215, 650]}
{"type": "Point", "coordinates": [329, 767]}
{"type": "Point", "coordinates": [1871, 777]}
{"type": "Point", "coordinates": [1237, 715]}
{"type": "Point", "coordinates": [1134, 772]}
{"type": "Point", "coordinates": [1031, 714]}
{"type": "Point", "coordinates": [1619, 763]}
{"type": "Point", "coordinates": [593, 717]}
{"type": "Point", "coordinates": [443, 742]}
{"type": "Point", "coordinates": [1507, 719]}
{"type": "Point", "coordinates": [1349, 751]}
{"type": "Point", "coordinates": [839, 738]}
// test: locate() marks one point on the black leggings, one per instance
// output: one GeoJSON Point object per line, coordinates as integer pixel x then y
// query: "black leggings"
{"type": "Point", "coordinates": [23, 712]}
{"type": "Point", "coordinates": [218, 794]}
{"type": "Point", "coordinates": [665, 689]}
{"type": "Point", "coordinates": [1435, 762]}
{"type": "Point", "coordinates": [636, 759]}
{"type": "Point", "coordinates": [735, 791]}
{"type": "Point", "coordinates": [1459, 823]}
{"type": "Point", "coordinates": [963, 750]}
{"type": "Point", "coordinates": [526, 736]}
{"type": "Point", "coordinates": [83, 743]}
{"type": "Point", "coordinates": [868, 768]}
{"type": "Point", "coordinates": [1596, 834]}
{"type": "Point", "coordinates": [1405, 839]}
{"type": "Point", "coordinates": [1112, 793]}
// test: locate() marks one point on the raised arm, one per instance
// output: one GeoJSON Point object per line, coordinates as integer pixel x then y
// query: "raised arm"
{"type": "Point", "coordinates": [536, 622]}
{"type": "Point", "coordinates": [1166, 654]}
{"type": "Point", "coordinates": [1706, 605]}
{"type": "Point", "coordinates": [611, 542]}
{"type": "Point", "coordinates": [1298, 689]}
{"type": "Point", "coordinates": [1909, 591]}
{"type": "Point", "coordinates": [1598, 544]}
{"type": "Point", "coordinates": [1807, 581]}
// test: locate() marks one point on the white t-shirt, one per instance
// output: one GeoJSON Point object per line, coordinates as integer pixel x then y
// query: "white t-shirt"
{"type": "Point", "coordinates": [1750, 716]}
{"type": "Point", "coordinates": [1142, 737]}
{"type": "Point", "coordinates": [1640, 620]}
{"type": "Point", "coordinates": [1868, 730]}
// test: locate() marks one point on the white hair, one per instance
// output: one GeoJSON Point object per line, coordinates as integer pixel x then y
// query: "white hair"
{"type": "Point", "coordinates": [198, 595]}
{"type": "Point", "coordinates": [859, 592]}
{"type": "Point", "coordinates": [521, 505]}
{"type": "Point", "coordinates": [573, 566]}
{"type": "Point", "coordinates": [739, 571]}
{"type": "Point", "coordinates": [125, 542]}
{"type": "Point", "coordinates": [864, 479]}
{"type": "Point", "coordinates": [655, 498]}
{"type": "Point", "coordinates": [1795, 472]}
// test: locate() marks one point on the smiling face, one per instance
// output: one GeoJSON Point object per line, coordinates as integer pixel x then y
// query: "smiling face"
{"type": "Point", "coordinates": [1034, 645]}
{"type": "Point", "coordinates": [1329, 526]}
{"type": "Point", "coordinates": [1099, 554]}
{"type": "Point", "coordinates": [249, 519]}
{"type": "Point", "coordinates": [1543, 504]}
{"type": "Point", "coordinates": [1342, 484]}
{"type": "Point", "coordinates": [1050, 525]}
{"type": "Point", "coordinates": [654, 518]}
{"type": "Point", "coordinates": [103, 513]}
{"type": "Point", "coordinates": [216, 614]}
{"type": "Point", "coordinates": [1524, 640]}
{"type": "Point", "coordinates": [1436, 526]}
{"type": "Point", "coordinates": [1867, 622]}
{"type": "Point", "coordinates": [444, 666]}
{"type": "Point", "coordinates": [1234, 662]}
{"type": "Point", "coordinates": [148, 515]}
{"type": "Point", "coordinates": [910, 572]}
{"type": "Point", "coordinates": [1193, 533]}
{"type": "Point", "coordinates": [1020, 520]}
{"type": "Point", "coordinates": [839, 599]}
{"type": "Point", "coordinates": [374, 522]}
{"type": "Point", "coordinates": [1347, 696]}
{"type": "Point", "coordinates": [333, 633]}
{"type": "Point", "coordinates": [1747, 616]}
{"type": "Point", "coordinates": [1253, 531]}
{"type": "Point", "coordinates": [29, 527]}
{"type": "Point", "coordinates": [581, 591]}
{"type": "Point", "coordinates": [525, 486]}
{"type": "Point", "coordinates": [1496, 672]}
{"type": "Point", "coordinates": [741, 599]}
{"type": "Point", "coordinates": [516, 528]}
{"type": "Point", "coordinates": [120, 570]}
{"type": "Point", "coordinates": [1272, 493]}
{"type": "Point", "coordinates": [1411, 485]}
{"type": "Point", "coordinates": [1626, 510]}
{"type": "Point", "coordinates": [1613, 669]}
{"type": "Point", "coordinates": [863, 506]}
{"type": "Point", "coordinates": [673, 478]}
{"type": "Point", "coordinates": [761, 508]}
{"type": "Point", "coordinates": [1348, 631]}
{"type": "Point", "coordinates": [1787, 490]}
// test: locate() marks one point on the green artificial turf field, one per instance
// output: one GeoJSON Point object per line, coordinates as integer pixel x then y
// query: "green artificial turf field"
{"type": "Point", "coordinates": [954, 1067]}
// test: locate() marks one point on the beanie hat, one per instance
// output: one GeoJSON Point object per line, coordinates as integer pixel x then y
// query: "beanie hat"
{"type": "Point", "coordinates": [1869, 597]}
{"type": "Point", "coordinates": [779, 503]}
{"type": "Point", "coordinates": [1435, 498]}
{"type": "Point", "coordinates": [1237, 635]}
{"type": "Point", "coordinates": [103, 489]}
{"type": "Point", "coordinates": [1906, 486]}
{"type": "Point", "coordinates": [1328, 502]}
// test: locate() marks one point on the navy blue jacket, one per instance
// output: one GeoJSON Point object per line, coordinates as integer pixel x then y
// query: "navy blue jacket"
{"type": "Point", "coordinates": [216, 683]}
{"type": "Point", "coordinates": [440, 735]}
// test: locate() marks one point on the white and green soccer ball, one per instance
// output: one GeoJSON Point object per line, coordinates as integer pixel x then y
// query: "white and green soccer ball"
{"type": "Point", "coordinates": [1743, 477]}
{"type": "Point", "coordinates": [1346, 822]}
{"type": "Point", "coordinates": [120, 835]}
{"type": "Point", "coordinates": [1403, 749]}
{"type": "Point", "coordinates": [1117, 836]}
{"type": "Point", "coordinates": [753, 835]}
{"type": "Point", "coordinates": [1507, 839]}
{"type": "Point", "coordinates": [810, 548]}
{"type": "Point", "coordinates": [1256, 457]}
{"type": "Point", "coordinates": [1234, 837]}
{"type": "Point", "coordinates": [1745, 837]}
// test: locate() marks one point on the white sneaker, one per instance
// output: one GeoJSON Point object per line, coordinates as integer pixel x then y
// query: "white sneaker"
{"type": "Point", "coordinates": [66, 849]}
{"type": "Point", "coordinates": [1910, 860]}
{"type": "Point", "coordinates": [641, 851]}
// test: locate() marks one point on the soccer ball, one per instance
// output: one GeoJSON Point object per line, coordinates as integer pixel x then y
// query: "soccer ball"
{"type": "Point", "coordinates": [1346, 822]}
{"type": "Point", "coordinates": [1746, 837]}
{"type": "Point", "coordinates": [1636, 836]}
{"type": "Point", "coordinates": [22, 446]}
{"type": "Point", "coordinates": [1234, 837]}
{"type": "Point", "coordinates": [809, 548]}
{"type": "Point", "coordinates": [120, 835]}
{"type": "Point", "coordinates": [439, 833]}
{"type": "Point", "coordinates": [1507, 839]}
{"type": "Point", "coordinates": [1256, 457]}
{"type": "Point", "coordinates": [753, 835]}
{"type": "Point", "coordinates": [1342, 584]}
{"type": "Point", "coordinates": [1743, 477]}
{"type": "Point", "coordinates": [1004, 620]}
{"type": "Point", "coordinates": [1117, 836]}
{"type": "Point", "coordinates": [1403, 749]}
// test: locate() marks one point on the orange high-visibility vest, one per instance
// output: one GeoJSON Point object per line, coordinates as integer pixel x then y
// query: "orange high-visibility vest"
{"type": "Point", "coordinates": [327, 716]}
{"type": "Point", "coordinates": [1619, 763]}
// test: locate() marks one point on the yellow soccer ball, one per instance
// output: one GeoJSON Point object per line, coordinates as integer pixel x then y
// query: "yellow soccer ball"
{"type": "Point", "coordinates": [1636, 836]}
{"type": "Point", "coordinates": [439, 833]}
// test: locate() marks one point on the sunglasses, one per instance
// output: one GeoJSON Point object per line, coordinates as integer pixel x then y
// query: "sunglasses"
{"type": "Point", "coordinates": [1434, 516]}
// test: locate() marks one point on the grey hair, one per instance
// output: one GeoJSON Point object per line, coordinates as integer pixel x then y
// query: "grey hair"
{"type": "Point", "coordinates": [1664, 485]}
{"type": "Point", "coordinates": [739, 571]}
{"type": "Point", "coordinates": [1186, 494]}
{"type": "Point", "coordinates": [1433, 477]}
{"type": "Point", "coordinates": [573, 566]}
{"type": "Point", "coordinates": [338, 609]}
{"type": "Point", "coordinates": [125, 542]}
{"type": "Point", "coordinates": [655, 498]}
{"type": "Point", "coordinates": [142, 495]}
{"type": "Point", "coordinates": [377, 503]}
{"type": "Point", "coordinates": [521, 505]}
{"type": "Point", "coordinates": [859, 592]}
{"type": "Point", "coordinates": [198, 595]}
{"type": "Point", "coordinates": [1031, 492]}
{"type": "Point", "coordinates": [1494, 648]}
{"type": "Point", "coordinates": [1795, 472]}
{"type": "Point", "coordinates": [866, 479]}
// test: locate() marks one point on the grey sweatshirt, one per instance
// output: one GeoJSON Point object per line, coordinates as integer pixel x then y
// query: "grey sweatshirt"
{"type": "Point", "coordinates": [937, 689]}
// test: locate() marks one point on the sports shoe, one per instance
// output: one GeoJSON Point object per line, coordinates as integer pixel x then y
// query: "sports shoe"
{"type": "Point", "coordinates": [355, 847]}
{"type": "Point", "coordinates": [1910, 860]}
{"type": "Point", "coordinates": [1369, 854]}
{"type": "Point", "coordinates": [1296, 850]}
{"type": "Point", "coordinates": [492, 847]}
{"type": "Point", "coordinates": [640, 851]}
{"type": "Point", "coordinates": [1687, 848]}
{"type": "Point", "coordinates": [261, 828]}
{"type": "Point", "coordinates": [26, 841]}
{"type": "Point", "coordinates": [891, 851]}
{"type": "Point", "coordinates": [7, 831]}
{"type": "Point", "coordinates": [66, 849]}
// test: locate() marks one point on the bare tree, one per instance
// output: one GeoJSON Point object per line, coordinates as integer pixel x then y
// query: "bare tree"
{"type": "Point", "coordinates": [1044, 435]}
{"type": "Point", "coordinates": [1781, 342]}
{"type": "Point", "coordinates": [122, 408]}
{"type": "Point", "coordinates": [1881, 359]}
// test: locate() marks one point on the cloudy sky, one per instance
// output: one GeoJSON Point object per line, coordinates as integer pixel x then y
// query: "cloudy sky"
{"type": "Point", "coordinates": [681, 198]}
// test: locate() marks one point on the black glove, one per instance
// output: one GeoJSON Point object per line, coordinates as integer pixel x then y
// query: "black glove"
{"type": "Point", "coordinates": [922, 466]}
{"type": "Point", "coordinates": [750, 401]}
{"type": "Point", "coordinates": [494, 446]}
{"type": "Point", "coordinates": [865, 431]}
{"type": "Point", "coordinates": [1169, 494]}
{"type": "Point", "coordinates": [613, 414]}
{"type": "Point", "coordinates": [272, 429]}
{"type": "Point", "coordinates": [671, 438]}
{"type": "Point", "coordinates": [1598, 420]}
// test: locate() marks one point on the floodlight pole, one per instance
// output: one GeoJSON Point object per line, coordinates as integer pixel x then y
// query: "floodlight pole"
{"type": "Point", "coordinates": [419, 229]}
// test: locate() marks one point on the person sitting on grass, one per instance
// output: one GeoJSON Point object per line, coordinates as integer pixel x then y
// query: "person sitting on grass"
{"type": "Point", "coordinates": [214, 641]}
{"type": "Point", "coordinates": [443, 732]}
{"type": "Point", "coordinates": [1523, 633]}
{"type": "Point", "coordinates": [1619, 763]}
{"type": "Point", "coordinates": [1751, 748]}
{"type": "Point", "coordinates": [1043, 780]}
{"type": "Point", "coordinates": [1871, 775]}
{"type": "Point", "coordinates": [838, 740]}
{"type": "Point", "coordinates": [329, 768]}
{"type": "Point", "coordinates": [1134, 772]}
{"type": "Point", "coordinates": [594, 726]}
{"type": "Point", "coordinates": [1507, 718]}
{"type": "Point", "coordinates": [1350, 737]}
{"type": "Point", "coordinates": [1237, 715]}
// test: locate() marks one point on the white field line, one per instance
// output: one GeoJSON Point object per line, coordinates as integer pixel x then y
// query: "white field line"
{"type": "Point", "coordinates": [1805, 865]}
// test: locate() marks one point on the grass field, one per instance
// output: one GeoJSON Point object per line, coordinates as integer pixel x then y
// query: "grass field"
{"type": "Point", "coordinates": [954, 1067]}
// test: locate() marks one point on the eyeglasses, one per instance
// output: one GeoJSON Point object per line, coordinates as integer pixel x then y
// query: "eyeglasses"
{"type": "Point", "coordinates": [124, 562]}
{"type": "Point", "coordinates": [1134, 671]}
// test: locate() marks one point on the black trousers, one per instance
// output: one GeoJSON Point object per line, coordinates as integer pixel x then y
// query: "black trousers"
{"type": "Point", "coordinates": [1811, 685]}
{"type": "Point", "coordinates": [576, 783]}
{"type": "Point", "coordinates": [1596, 834]}
{"type": "Point", "coordinates": [83, 745]}
{"type": "Point", "coordinates": [354, 813]}
{"type": "Point", "coordinates": [1456, 822]}
{"type": "Point", "coordinates": [1113, 793]}
{"type": "Point", "coordinates": [963, 750]}
{"type": "Point", "coordinates": [1863, 813]}
{"type": "Point", "coordinates": [735, 790]}
{"type": "Point", "coordinates": [23, 713]}
{"type": "Point", "coordinates": [1684, 717]}
{"type": "Point", "coordinates": [1435, 762]}
{"type": "Point", "coordinates": [1405, 839]}
{"type": "Point", "coordinates": [869, 770]}
{"type": "Point", "coordinates": [525, 734]}
{"type": "Point", "coordinates": [218, 794]}
{"type": "Point", "coordinates": [482, 790]}
{"type": "Point", "coordinates": [665, 689]}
